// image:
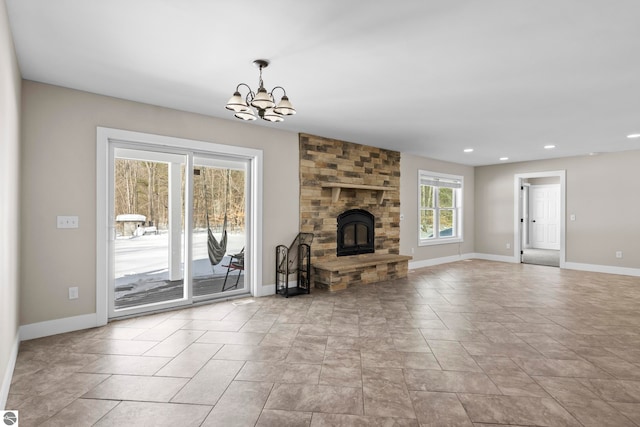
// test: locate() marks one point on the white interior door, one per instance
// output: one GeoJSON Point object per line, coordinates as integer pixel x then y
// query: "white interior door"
{"type": "Point", "coordinates": [545, 216]}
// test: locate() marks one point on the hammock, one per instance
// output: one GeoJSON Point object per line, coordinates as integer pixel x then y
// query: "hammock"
{"type": "Point", "coordinates": [217, 249]}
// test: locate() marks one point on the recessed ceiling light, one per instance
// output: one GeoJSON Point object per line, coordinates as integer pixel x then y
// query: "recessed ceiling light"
{"type": "Point", "coordinates": [503, 159]}
{"type": "Point", "coordinates": [634, 135]}
{"type": "Point", "coordinates": [594, 153]}
{"type": "Point", "coordinates": [468, 150]}
{"type": "Point", "coordinates": [549, 147]}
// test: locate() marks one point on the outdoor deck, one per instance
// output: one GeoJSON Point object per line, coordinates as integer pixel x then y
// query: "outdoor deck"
{"type": "Point", "coordinates": [166, 290]}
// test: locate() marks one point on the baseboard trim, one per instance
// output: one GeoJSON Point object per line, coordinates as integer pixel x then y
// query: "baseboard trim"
{"type": "Point", "coordinates": [266, 290]}
{"type": "Point", "coordinates": [437, 261]}
{"type": "Point", "coordinates": [8, 373]}
{"type": "Point", "coordinates": [86, 321]}
{"type": "Point", "coordinates": [58, 326]}
{"type": "Point", "coordinates": [498, 258]}
{"type": "Point", "coordinates": [609, 269]}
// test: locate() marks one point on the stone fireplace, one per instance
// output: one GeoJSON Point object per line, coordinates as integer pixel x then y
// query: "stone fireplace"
{"type": "Point", "coordinates": [341, 178]}
{"type": "Point", "coordinates": [356, 233]}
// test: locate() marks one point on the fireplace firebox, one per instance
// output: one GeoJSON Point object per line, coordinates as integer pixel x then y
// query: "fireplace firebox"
{"type": "Point", "coordinates": [356, 232]}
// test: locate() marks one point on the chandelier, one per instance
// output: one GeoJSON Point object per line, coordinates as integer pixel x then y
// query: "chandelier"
{"type": "Point", "coordinates": [262, 101]}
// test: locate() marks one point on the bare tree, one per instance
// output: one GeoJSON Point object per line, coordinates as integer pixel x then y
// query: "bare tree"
{"type": "Point", "coordinates": [141, 187]}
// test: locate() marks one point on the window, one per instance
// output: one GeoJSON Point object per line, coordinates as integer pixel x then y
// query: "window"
{"type": "Point", "coordinates": [440, 204]}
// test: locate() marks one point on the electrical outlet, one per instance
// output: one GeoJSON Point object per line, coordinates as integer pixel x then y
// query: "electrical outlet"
{"type": "Point", "coordinates": [413, 251]}
{"type": "Point", "coordinates": [572, 217]}
{"type": "Point", "coordinates": [508, 245]}
{"type": "Point", "coordinates": [73, 292]}
{"type": "Point", "coordinates": [618, 254]}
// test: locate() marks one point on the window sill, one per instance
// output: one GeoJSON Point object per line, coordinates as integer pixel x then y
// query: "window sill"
{"type": "Point", "coordinates": [440, 241]}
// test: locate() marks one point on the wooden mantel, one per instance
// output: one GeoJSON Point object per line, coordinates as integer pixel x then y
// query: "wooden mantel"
{"type": "Point", "coordinates": [336, 187]}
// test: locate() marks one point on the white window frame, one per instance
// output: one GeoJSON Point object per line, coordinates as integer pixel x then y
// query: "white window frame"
{"type": "Point", "coordinates": [424, 175]}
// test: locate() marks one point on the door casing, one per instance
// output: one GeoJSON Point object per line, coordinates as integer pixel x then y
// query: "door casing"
{"type": "Point", "coordinates": [518, 214]}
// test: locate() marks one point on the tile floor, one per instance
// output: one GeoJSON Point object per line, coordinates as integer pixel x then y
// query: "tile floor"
{"type": "Point", "coordinates": [472, 343]}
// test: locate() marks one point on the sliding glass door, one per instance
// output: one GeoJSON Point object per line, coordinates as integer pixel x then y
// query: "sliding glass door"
{"type": "Point", "coordinates": [219, 225]}
{"type": "Point", "coordinates": [178, 227]}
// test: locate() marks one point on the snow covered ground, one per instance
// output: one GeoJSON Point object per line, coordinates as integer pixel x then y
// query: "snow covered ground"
{"type": "Point", "coordinates": [142, 263]}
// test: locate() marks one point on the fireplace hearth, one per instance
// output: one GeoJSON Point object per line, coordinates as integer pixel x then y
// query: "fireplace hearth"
{"type": "Point", "coordinates": [356, 233]}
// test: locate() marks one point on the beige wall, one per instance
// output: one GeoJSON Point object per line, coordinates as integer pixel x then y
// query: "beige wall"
{"type": "Point", "coordinates": [9, 199]}
{"type": "Point", "coordinates": [59, 178]}
{"type": "Point", "coordinates": [600, 190]}
{"type": "Point", "coordinates": [409, 167]}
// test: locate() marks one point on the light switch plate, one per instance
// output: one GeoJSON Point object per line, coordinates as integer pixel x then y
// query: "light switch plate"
{"type": "Point", "coordinates": [67, 221]}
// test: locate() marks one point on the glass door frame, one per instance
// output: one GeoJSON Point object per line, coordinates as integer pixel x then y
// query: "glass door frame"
{"type": "Point", "coordinates": [222, 162]}
{"type": "Point", "coordinates": [145, 152]}
{"type": "Point", "coordinates": [107, 140]}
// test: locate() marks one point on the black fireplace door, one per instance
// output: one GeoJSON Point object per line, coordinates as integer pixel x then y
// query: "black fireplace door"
{"type": "Point", "coordinates": [356, 232]}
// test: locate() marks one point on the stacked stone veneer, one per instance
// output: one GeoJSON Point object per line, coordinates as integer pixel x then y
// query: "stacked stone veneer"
{"type": "Point", "coordinates": [323, 161]}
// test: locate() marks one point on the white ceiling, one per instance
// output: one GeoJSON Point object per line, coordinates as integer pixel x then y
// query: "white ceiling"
{"type": "Point", "coordinates": [427, 77]}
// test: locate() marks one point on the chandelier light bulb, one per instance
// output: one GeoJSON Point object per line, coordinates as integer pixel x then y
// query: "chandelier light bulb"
{"type": "Point", "coordinates": [262, 100]}
{"type": "Point", "coordinates": [272, 116]}
{"type": "Point", "coordinates": [236, 103]}
{"type": "Point", "coordinates": [246, 115]}
{"type": "Point", "coordinates": [284, 107]}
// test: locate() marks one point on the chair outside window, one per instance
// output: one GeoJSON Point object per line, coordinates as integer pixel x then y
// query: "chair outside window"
{"type": "Point", "coordinates": [236, 262]}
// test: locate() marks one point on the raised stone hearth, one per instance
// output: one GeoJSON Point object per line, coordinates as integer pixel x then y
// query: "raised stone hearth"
{"type": "Point", "coordinates": [337, 176]}
{"type": "Point", "coordinates": [340, 273]}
